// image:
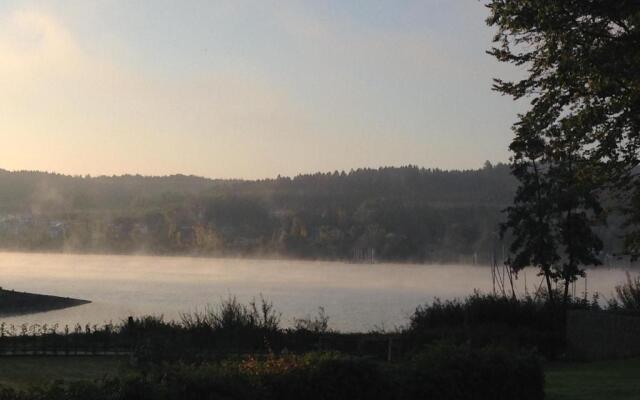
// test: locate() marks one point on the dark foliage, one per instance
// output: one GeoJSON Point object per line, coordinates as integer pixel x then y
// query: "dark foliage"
{"type": "Point", "coordinates": [484, 320]}
{"type": "Point", "coordinates": [439, 373]}
{"type": "Point", "coordinates": [627, 296]}
{"type": "Point", "coordinates": [581, 134]}
{"type": "Point", "coordinates": [449, 372]}
{"type": "Point", "coordinates": [236, 328]}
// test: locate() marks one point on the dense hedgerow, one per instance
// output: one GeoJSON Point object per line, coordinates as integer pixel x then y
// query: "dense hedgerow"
{"type": "Point", "coordinates": [437, 373]}
{"type": "Point", "coordinates": [483, 320]}
{"type": "Point", "coordinates": [450, 372]}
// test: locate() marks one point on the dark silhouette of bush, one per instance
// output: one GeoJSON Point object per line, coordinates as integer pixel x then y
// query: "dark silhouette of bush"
{"type": "Point", "coordinates": [627, 296]}
{"type": "Point", "coordinates": [254, 328]}
{"type": "Point", "coordinates": [482, 320]}
{"type": "Point", "coordinates": [442, 372]}
{"type": "Point", "coordinates": [451, 372]}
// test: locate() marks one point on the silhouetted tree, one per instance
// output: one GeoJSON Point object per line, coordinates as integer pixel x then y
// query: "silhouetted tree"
{"type": "Point", "coordinates": [581, 133]}
{"type": "Point", "coordinates": [530, 218]}
{"type": "Point", "coordinates": [582, 80]}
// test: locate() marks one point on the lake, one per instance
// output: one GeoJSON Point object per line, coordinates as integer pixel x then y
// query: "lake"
{"type": "Point", "coordinates": [356, 297]}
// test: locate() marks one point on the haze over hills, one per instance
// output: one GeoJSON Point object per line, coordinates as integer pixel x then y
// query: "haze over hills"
{"type": "Point", "coordinates": [44, 192]}
{"type": "Point", "coordinates": [405, 213]}
{"type": "Point", "coordinates": [392, 213]}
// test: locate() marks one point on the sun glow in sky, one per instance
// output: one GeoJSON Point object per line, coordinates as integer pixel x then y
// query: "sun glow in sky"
{"type": "Point", "coordinates": [247, 89]}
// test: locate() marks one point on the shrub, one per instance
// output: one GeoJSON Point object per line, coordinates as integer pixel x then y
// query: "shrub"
{"type": "Point", "coordinates": [317, 324]}
{"type": "Point", "coordinates": [483, 320]}
{"type": "Point", "coordinates": [479, 309]}
{"type": "Point", "coordinates": [627, 295]}
{"type": "Point", "coordinates": [232, 315]}
{"type": "Point", "coordinates": [323, 376]}
{"type": "Point", "coordinates": [439, 372]}
{"type": "Point", "coordinates": [232, 326]}
{"type": "Point", "coordinates": [451, 372]}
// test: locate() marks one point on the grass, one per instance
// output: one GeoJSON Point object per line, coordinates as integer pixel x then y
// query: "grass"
{"type": "Point", "coordinates": [24, 371]}
{"type": "Point", "coordinates": [602, 380]}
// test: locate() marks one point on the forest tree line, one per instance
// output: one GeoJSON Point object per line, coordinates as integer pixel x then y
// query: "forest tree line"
{"type": "Point", "coordinates": [403, 214]}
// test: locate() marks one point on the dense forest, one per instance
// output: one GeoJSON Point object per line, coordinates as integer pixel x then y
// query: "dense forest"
{"type": "Point", "coordinates": [406, 213]}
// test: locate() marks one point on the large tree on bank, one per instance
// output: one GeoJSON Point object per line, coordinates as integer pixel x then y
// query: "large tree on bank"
{"type": "Point", "coordinates": [581, 133]}
{"type": "Point", "coordinates": [554, 210]}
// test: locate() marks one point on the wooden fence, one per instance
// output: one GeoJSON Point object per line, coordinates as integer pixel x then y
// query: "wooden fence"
{"type": "Point", "coordinates": [387, 347]}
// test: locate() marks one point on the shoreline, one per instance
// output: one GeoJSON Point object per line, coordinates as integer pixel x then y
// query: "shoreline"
{"type": "Point", "coordinates": [258, 257]}
{"type": "Point", "coordinates": [635, 265]}
{"type": "Point", "coordinates": [14, 303]}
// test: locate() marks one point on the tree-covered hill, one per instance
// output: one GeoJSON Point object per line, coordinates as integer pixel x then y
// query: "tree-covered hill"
{"type": "Point", "coordinates": [406, 213]}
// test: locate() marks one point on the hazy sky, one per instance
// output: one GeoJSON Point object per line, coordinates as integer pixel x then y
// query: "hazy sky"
{"type": "Point", "coordinates": [247, 88]}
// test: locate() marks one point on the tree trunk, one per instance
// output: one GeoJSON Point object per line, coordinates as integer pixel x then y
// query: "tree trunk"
{"type": "Point", "coordinates": [549, 287]}
{"type": "Point", "coordinates": [566, 292]}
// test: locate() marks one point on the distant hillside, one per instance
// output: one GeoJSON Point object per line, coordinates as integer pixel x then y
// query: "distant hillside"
{"type": "Point", "coordinates": [405, 213]}
{"type": "Point", "coordinates": [41, 192]}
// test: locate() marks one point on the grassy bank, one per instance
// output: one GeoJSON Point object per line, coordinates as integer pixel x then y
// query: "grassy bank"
{"type": "Point", "coordinates": [24, 372]}
{"type": "Point", "coordinates": [610, 380]}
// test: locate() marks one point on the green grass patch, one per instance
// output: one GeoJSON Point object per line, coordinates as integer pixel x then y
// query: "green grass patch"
{"type": "Point", "coordinates": [25, 371]}
{"type": "Point", "coordinates": [601, 380]}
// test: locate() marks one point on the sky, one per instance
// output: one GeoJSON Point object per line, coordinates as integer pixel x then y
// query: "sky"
{"type": "Point", "coordinates": [248, 89]}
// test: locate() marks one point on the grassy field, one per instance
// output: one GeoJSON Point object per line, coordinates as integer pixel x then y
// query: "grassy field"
{"type": "Point", "coordinates": [602, 380]}
{"type": "Point", "coordinates": [22, 372]}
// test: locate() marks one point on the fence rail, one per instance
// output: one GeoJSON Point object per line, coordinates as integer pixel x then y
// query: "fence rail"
{"type": "Point", "coordinates": [387, 347]}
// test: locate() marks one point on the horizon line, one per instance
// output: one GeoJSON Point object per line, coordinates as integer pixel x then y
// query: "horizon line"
{"type": "Point", "coordinates": [278, 176]}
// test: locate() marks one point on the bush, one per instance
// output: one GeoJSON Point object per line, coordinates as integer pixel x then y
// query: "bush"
{"type": "Point", "coordinates": [441, 372]}
{"type": "Point", "coordinates": [483, 320]}
{"type": "Point", "coordinates": [325, 376]}
{"type": "Point", "coordinates": [317, 324]}
{"type": "Point", "coordinates": [231, 315]}
{"type": "Point", "coordinates": [232, 326]}
{"type": "Point", "coordinates": [627, 295]}
{"type": "Point", "coordinates": [480, 309]}
{"type": "Point", "coordinates": [451, 372]}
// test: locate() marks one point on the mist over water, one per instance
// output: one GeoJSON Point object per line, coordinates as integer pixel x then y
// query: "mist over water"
{"type": "Point", "coordinates": [357, 297]}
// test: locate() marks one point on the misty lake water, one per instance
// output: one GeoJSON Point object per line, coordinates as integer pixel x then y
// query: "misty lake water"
{"type": "Point", "coordinates": [356, 297]}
